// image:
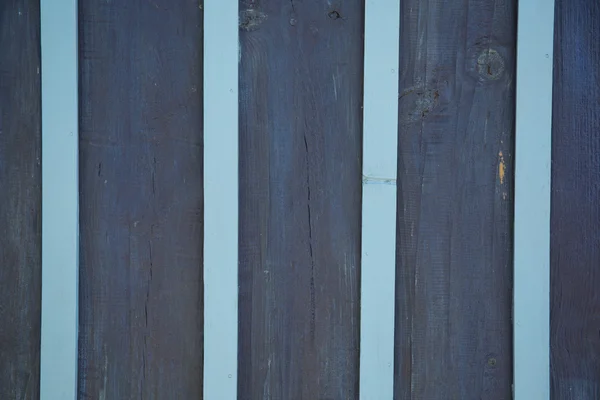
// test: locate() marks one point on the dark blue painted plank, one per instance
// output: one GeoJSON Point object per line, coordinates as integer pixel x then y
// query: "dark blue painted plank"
{"type": "Point", "coordinates": [141, 199]}
{"type": "Point", "coordinates": [575, 203]}
{"type": "Point", "coordinates": [300, 188]}
{"type": "Point", "coordinates": [20, 199]}
{"type": "Point", "coordinates": [455, 202]}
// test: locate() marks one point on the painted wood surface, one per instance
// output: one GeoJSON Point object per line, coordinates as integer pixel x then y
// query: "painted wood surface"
{"type": "Point", "coordinates": [300, 189]}
{"type": "Point", "coordinates": [379, 166]}
{"type": "Point", "coordinates": [221, 187]}
{"type": "Point", "coordinates": [575, 207]}
{"type": "Point", "coordinates": [454, 265]}
{"type": "Point", "coordinates": [533, 134]}
{"type": "Point", "coordinates": [141, 200]}
{"type": "Point", "coordinates": [20, 199]}
{"type": "Point", "coordinates": [60, 199]}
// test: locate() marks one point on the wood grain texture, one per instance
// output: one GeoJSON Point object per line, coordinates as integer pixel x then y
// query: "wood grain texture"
{"type": "Point", "coordinates": [454, 265]}
{"type": "Point", "coordinates": [300, 188]}
{"type": "Point", "coordinates": [141, 200]}
{"type": "Point", "coordinates": [575, 203]}
{"type": "Point", "coordinates": [20, 199]}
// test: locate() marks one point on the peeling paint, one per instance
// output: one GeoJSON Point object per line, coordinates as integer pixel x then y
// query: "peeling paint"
{"type": "Point", "coordinates": [251, 19]}
{"type": "Point", "coordinates": [419, 101]}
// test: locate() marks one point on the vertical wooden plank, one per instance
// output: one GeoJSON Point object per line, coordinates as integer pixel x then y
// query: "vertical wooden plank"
{"type": "Point", "coordinates": [300, 191]}
{"type": "Point", "coordinates": [454, 265]}
{"type": "Point", "coordinates": [221, 52]}
{"type": "Point", "coordinates": [532, 200]}
{"type": "Point", "coordinates": [20, 199]}
{"type": "Point", "coordinates": [575, 206]}
{"type": "Point", "coordinates": [141, 294]}
{"type": "Point", "coordinates": [380, 146]}
{"type": "Point", "coordinates": [60, 200]}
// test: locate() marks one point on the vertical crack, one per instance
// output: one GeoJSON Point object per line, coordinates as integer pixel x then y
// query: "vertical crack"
{"type": "Point", "coordinates": [149, 281]}
{"type": "Point", "coordinates": [143, 371]}
{"type": "Point", "coordinates": [147, 300]}
{"type": "Point", "coordinates": [154, 176]}
{"type": "Point", "coordinates": [310, 247]}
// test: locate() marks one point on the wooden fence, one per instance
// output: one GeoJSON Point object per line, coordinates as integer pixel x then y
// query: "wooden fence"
{"type": "Point", "coordinates": [315, 200]}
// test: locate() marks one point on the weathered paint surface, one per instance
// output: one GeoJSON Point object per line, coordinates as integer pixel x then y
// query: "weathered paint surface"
{"type": "Point", "coordinates": [575, 212]}
{"type": "Point", "coordinates": [141, 200]}
{"type": "Point", "coordinates": [300, 188]}
{"type": "Point", "coordinates": [455, 179]}
{"type": "Point", "coordinates": [20, 199]}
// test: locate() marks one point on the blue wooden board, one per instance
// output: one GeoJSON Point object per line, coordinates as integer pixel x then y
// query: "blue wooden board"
{"type": "Point", "coordinates": [575, 203]}
{"type": "Point", "coordinates": [300, 198]}
{"type": "Point", "coordinates": [141, 200]}
{"type": "Point", "coordinates": [60, 199]}
{"type": "Point", "coordinates": [20, 199]}
{"type": "Point", "coordinates": [455, 200]}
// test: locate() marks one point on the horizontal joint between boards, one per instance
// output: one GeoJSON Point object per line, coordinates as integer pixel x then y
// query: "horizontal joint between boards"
{"type": "Point", "coordinates": [374, 180]}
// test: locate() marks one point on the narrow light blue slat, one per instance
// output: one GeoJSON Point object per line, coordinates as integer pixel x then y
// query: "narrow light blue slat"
{"type": "Point", "coordinates": [60, 230]}
{"type": "Point", "coordinates": [380, 137]}
{"type": "Point", "coordinates": [220, 199]}
{"type": "Point", "coordinates": [532, 200]}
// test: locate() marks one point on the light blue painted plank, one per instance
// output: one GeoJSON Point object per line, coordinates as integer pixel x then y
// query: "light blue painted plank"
{"type": "Point", "coordinates": [532, 200]}
{"type": "Point", "coordinates": [220, 199]}
{"type": "Point", "coordinates": [60, 230]}
{"type": "Point", "coordinates": [378, 254]}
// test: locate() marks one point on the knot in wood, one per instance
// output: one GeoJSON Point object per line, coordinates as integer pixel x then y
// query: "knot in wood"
{"type": "Point", "coordinates": [490, 65]}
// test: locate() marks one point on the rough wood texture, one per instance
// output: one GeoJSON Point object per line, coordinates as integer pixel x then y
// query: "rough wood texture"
{"type": "Point", "coordinates": [575, 213]}
{"type": "Point", "coordinates": [141, 200]}
{"type": "Point", "coordinates": [454, 276]}
{"type": "Point", "coordinates": [300, 184]}
{"type": "Point", "coordinates": [20, 199]}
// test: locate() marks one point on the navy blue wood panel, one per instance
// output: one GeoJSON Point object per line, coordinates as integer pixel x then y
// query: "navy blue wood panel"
{"type": "Point", "coordinates": [575, 207]}
{"type": "Point", "coordinates": [141, 199]}
{"type": "Point", "coordinates": [455, 200]}
{"type": "Point", "coordinates": [20, 199]}
{"type": "Point", "coordinates": [300, 190]}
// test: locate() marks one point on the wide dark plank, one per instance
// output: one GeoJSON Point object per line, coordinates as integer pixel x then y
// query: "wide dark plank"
{"type": "Point", "coordinates": [454, 267]}
{"type": "Point", "coordinates": [141, 199]}
{"type": "Point", "coordinates": [575, 213]}
{"type": "Point", "coordinates": [20, 199]}
{"type": "Point", "coordinates": [300, 189]}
